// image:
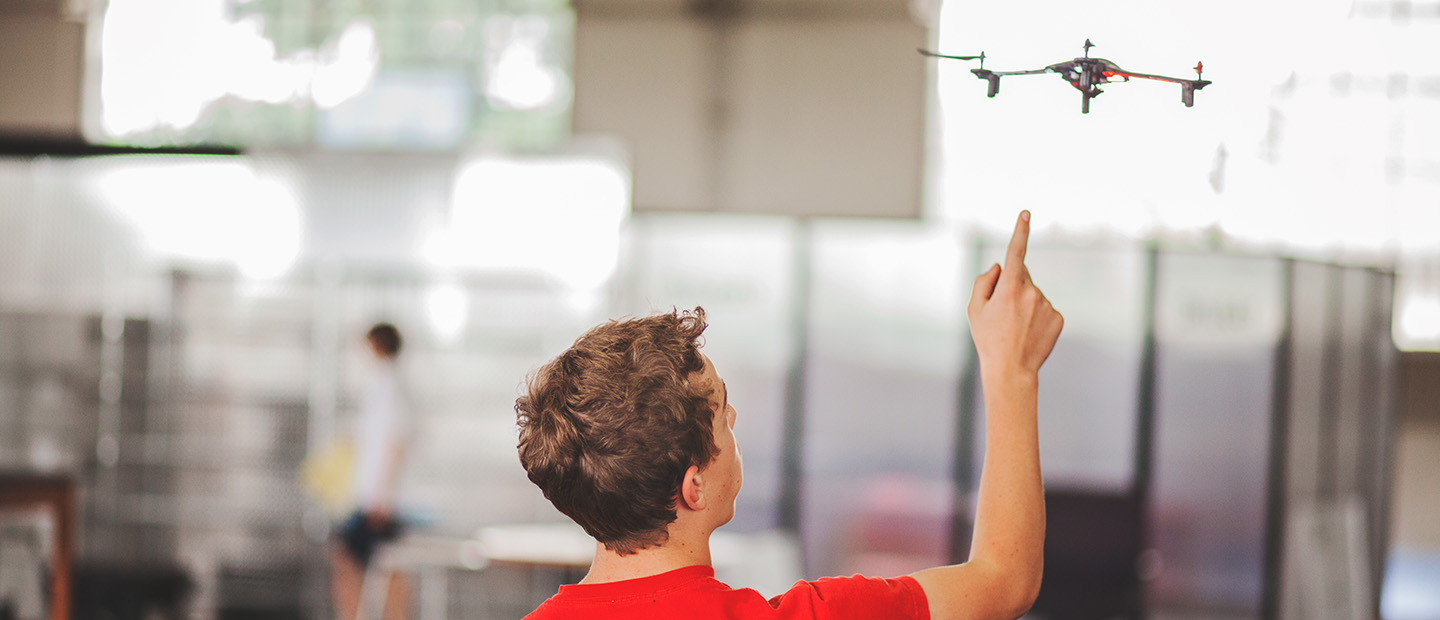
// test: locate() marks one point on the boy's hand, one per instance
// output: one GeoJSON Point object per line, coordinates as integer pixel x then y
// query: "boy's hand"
{"type": "Point", "coordinates": [1014, 327]}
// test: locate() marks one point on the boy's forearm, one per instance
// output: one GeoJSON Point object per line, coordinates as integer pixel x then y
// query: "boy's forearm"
{"type": "Point", "coordinates": [1010, 512]}
{"type": "Point", "coordinates": [1002, 577]}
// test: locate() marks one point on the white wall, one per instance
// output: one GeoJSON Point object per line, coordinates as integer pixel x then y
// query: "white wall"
{"type": "Point", "coordinates": [781, 108]}
{"type": "Point", "coordinates": [41, 57]}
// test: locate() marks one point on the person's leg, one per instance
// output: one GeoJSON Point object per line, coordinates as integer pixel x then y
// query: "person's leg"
{"type": "Point", "coordinates": [355, 543]}
{"type": "Point", "coordinates": [346, 580]}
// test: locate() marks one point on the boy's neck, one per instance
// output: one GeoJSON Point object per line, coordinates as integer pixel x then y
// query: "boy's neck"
{"type": "Point", "coordinates": [677, 552]}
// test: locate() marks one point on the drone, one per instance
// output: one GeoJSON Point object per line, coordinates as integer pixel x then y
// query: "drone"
{"type": "Point", "coordinates": [1085, 74]}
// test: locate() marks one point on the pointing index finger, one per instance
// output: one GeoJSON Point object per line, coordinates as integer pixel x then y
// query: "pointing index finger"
{"type": "Point", "coordinates": [1015, 255]}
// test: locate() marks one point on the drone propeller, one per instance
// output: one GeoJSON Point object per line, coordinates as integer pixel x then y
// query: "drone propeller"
{"type": "Point", "coordinates": [1199, 69]}
{"type": "Point", "coordinates": [926, 52]}
{"type": "Point", "coordinates": [1088, 45]}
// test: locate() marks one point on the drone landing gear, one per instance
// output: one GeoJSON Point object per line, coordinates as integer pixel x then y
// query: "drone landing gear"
{"type": "Point", "coordinates": [991, 78]}
{"type": "Point", "coordinates": [1085, 97]}
{"type": "Point", "coordinates": [1187, 95]}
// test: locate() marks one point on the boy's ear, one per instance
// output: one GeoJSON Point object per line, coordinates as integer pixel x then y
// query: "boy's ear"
{"type": "Point", "coordinates": [692, 491]}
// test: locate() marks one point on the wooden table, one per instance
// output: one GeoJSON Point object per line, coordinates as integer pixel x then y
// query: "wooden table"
{"type": "Point", "coordinates": [54, 493]}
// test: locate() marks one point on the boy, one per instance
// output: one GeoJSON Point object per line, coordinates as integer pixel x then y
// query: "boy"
{"type": "Point", "coordinates": [630, 433]}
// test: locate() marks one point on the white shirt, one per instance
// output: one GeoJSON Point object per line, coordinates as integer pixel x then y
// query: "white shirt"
{"type": "Point", "coordinates": [383, 426]}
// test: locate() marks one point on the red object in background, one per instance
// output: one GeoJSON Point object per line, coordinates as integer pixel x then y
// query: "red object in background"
{"type": "Point", "coordinates": [55, 494]}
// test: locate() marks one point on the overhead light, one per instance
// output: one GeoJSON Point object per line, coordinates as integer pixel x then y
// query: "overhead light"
{"type": "Point", "coordinates": [208, 210]}
{"type": "Point", "coordinates": [1417, 325]}
{"type": "Point", "coordinates": [447, 307]}
{"type": "Point", "coordinates": [555, 216]}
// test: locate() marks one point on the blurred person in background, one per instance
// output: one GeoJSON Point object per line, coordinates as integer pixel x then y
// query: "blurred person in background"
{"type": "Point", "coordinates": [382, 437]}
{"type": "Point", "coordinates": [630, 433]}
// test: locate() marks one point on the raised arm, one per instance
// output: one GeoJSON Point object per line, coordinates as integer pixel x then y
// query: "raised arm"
{"type": "Point", "coordinates": [1014, 328]}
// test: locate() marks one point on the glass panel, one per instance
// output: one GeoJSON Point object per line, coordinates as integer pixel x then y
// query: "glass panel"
{"type": "Point", "coordinates": [1356, 373]}
{"type": "Point", "coordinates": [1218, 322]}
{"type": "Point", "coordinates": [1308, 333]}
{"type": "Point", "coordinates": [886, 337]}
{"type": "Point", "coordinates": [1380, 430]}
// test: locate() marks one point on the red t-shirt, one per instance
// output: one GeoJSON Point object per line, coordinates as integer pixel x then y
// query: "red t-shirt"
{"type": "Point", "coordinates": [693, 593]}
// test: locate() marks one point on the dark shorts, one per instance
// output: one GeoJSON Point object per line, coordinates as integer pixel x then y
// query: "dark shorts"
{"type": "Point", "coordinates": [360, 537]}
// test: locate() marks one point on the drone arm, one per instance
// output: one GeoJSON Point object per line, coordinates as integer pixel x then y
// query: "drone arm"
{"type": "Point", "coordinates": [1149, 76]}
{"type": "Point", "coordinates": [1196, 84]}
{"type": "Point", "coordinates": [1026, 72]}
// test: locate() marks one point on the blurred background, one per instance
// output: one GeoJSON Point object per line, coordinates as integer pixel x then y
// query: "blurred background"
{"type": "Point", "coordinates": [205, 203]}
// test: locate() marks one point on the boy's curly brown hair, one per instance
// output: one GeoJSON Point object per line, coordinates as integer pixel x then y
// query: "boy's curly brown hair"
{"type": "Point", "coordinates": [608, 428]}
